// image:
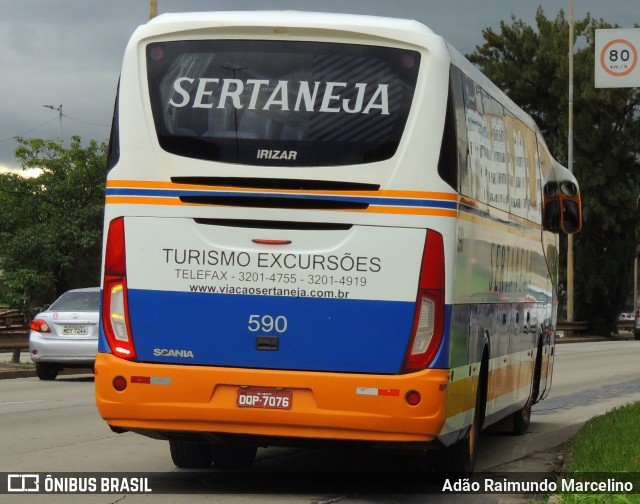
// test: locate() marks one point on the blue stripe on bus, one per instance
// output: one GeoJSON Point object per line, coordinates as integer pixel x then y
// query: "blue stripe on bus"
{"type": "Point", "coordinates": [221, 194]}
{"type": "Point", "coordinates": [333, 335]}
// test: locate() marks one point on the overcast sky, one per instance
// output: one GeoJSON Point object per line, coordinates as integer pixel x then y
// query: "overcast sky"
{"type": "Point", "coordinates": [69, 52]}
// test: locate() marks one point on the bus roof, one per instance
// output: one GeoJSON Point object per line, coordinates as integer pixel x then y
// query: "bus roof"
{"type": "Point", "coordinates": [286, 22]}
{"type": "Point", "coordinates": [289, 18]}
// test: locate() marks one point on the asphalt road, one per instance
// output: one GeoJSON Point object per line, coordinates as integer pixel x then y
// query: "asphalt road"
{"type": "Point", "coordinates": [53, 427]}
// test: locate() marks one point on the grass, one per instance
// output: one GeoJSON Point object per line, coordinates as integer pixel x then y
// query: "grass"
{"type": "Point", "coordinates": [605, 445]}
{"type": "Point", "coordinates": [22, 366]}
{"type": "Point", "coordinates": [609, 443]}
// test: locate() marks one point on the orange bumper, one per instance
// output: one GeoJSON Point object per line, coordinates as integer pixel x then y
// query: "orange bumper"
{"type": "Point", "coordinates": [162, 397]}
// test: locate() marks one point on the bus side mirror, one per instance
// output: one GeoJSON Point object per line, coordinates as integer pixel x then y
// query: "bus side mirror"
{"type": "Point", "coordinates": [562, 212]}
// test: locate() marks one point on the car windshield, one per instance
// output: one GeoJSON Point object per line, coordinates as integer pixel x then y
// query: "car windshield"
{"type": "Point", "coordinates": [77, 301]}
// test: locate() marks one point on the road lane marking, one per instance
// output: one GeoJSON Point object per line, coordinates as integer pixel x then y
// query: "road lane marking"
{"type": "Point", "coordinates": [21, 402]}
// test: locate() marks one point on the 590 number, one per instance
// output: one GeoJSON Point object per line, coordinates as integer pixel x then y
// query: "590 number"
{"type": "Point", "coordinates": [267, 323]}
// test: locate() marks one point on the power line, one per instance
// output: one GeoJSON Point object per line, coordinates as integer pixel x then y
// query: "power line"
{"type": "Point", "coordinates": [86, 122]}
{"type": "Point", "coordinates": [29, 131]}
{"type": "Point", "coordinates": [13, 137]}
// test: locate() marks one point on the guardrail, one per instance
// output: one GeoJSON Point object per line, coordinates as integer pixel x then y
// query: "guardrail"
{"type": "Point", "coordinates": [14, 333]}
{"type": "Point", "coordinates": [573, 326]}
{"type": "Point", "coordinates": [626, 325]}
{"type": "Point", "coordinates": [583, 325]}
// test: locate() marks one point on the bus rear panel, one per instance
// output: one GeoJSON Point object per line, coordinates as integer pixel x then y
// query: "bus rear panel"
{"type": "Point", "coordinates": [267, 272]}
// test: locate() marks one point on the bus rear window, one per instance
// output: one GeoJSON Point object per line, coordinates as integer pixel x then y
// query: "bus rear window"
{"type": "Point", "coordinates": [280, 103]}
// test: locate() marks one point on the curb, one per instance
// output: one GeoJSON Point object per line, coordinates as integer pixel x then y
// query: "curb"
{"type": "Point", "coordinates": [10, 374]}
{"type": "Point", "coordinates": [18, 373]}
{"type": "Point", "coordinates": [592, 339]}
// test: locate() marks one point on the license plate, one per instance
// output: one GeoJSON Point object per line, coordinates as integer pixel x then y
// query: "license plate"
{"type": "Point", "coordinates": [264, 398]}
{"type": "Point", "coordinates": [74, 330]}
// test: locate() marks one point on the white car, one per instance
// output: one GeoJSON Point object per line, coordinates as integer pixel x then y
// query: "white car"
{"type": "Point", "coordinates": [66, 334]}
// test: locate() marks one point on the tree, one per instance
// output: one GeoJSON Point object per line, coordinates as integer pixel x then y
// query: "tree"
{"type": "Point", "coordinates": [51, 226]}
{"type": "Point", "coordinates": [531, 65]}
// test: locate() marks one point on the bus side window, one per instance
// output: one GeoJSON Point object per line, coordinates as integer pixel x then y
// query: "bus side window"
{"type": "Point", "coordinates": [448, 162]}
{"type": "Point", "coordinates": [113, 153]}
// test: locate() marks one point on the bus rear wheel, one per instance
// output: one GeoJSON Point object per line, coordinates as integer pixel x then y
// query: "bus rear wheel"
{"type": "Point", "coordinates": [233, 457]}
{"type": "Point", "coordinates": [190, 454]}
{"type": "Point", "coordinates": [522, 419]}
{"type": "Point", "coordinates": [461, 457]}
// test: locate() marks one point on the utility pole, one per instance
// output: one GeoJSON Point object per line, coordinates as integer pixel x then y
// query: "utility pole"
{"type": "Point", "coordinates": [570, 163]}
{"type": "Point", "coordinates": [635, 280]}
{"type": "Point", "coordinates": [636, 308]}
{"type": "Point", "coordinates": [153, 8]}
{"type": "Point", "coordinates": [59, 109]}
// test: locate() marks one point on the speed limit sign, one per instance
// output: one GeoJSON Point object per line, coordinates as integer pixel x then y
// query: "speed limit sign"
{"type": "Point", "coordinates": [616, 58]}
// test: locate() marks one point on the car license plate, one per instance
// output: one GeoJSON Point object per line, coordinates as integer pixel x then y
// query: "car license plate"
{"type": "Point", "coordinates": [264, 398]}
{"type": "Point", "coordinates": [74, 330]}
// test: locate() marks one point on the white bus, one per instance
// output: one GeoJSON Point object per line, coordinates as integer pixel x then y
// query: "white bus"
{"type": "Point", "coordinates": [323, 227]}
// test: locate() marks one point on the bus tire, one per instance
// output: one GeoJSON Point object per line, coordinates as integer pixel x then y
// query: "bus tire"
{"type": "Point", "coordinates": [233, 457]}
{"type": "Point", "coordinates": [537, 374]}
{"type": "Point", "coordinates": [522, 419]}
{"type": "Point", "coordinates": [190, 454]}
{"type": "Point", "coordinates": [460, 458]}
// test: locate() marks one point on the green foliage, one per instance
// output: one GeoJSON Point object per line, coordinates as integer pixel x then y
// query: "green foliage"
{"type": "Point", "coordinates": [531, 65]}
{"type": "Point", "coordinates": [51, 226]}
{"type": "Point", "coordinates": [607, 445]}
{"type": "Point", "coordinates": [600, 499]}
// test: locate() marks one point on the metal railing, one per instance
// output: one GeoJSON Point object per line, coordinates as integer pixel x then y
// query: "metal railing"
{"type": "Point", "coordinates": [14, 333]}
{"type": "Point", "coordinates": [582, 326]}
{"type": "Point", "coordinates": [573, 326]}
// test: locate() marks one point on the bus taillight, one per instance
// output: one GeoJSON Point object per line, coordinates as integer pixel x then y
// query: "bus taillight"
{"type": "Point", "coordinates": [115, 316]}
{"type": "Point", "coordinates": [428, 322]}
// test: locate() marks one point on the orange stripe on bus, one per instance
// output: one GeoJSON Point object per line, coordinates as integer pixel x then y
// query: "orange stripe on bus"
{"type": "Point", "coordinates": [136, 200]}
{"type": "Point", "coordinates": [438, 212]}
